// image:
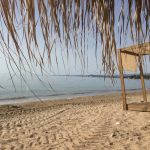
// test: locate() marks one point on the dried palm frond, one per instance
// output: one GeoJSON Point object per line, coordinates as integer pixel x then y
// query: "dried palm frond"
{"type": "Point", "coordinates": [67, 22]}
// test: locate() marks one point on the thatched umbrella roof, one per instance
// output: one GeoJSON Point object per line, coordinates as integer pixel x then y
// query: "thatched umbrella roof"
{"type": "Point", "coordinates": [67, 20]}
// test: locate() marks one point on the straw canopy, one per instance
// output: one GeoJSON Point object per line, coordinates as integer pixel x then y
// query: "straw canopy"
{"type": "Point", "coordinates": [130, 55]}
{"type": "Point", "coordinates": [69, 21]}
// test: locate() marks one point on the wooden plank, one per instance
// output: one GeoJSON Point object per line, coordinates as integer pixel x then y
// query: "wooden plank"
{"type": "Point", "coordinates": [142, 80]}
{"type": "Point", "coordinates": [139, 107]}
{"type": "Point", "coordinates": [122, 81]}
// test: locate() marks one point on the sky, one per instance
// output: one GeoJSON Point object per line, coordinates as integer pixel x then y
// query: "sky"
{"type": "Point", "coordinates": [69, 66]}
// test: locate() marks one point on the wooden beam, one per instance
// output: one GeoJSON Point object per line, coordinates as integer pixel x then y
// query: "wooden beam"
{"type": "Point", "coordinates": [130, 53]}
{"type": "Point", "coordinates": [122, 81]}
{"type": "Point", "coordinates": [142, 79]}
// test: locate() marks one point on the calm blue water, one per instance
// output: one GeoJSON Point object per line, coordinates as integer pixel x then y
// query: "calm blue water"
{"type": "Point", "coordinates": [50, 87]}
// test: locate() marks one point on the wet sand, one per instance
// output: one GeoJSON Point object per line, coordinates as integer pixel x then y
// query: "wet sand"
{"type": "Point", "coordinates": [85, 123]}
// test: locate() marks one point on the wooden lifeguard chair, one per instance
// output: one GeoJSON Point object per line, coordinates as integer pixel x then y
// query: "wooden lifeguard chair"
{"type": "Point", "coordinates": [137, 51]}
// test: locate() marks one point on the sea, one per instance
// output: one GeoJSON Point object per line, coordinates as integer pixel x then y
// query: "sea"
{"type": "Point", "coordinates": [40, 88]}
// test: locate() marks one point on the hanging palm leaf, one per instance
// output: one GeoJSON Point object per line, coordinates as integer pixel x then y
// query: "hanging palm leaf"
{"type": "Point", "coordinates": [68, 21]}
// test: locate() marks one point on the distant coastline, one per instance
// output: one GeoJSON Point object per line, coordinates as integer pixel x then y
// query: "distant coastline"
{"type": "Point", "coordinates": [128, 76]}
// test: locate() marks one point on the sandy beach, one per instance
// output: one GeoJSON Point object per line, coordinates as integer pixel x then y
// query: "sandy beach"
{"type": "Point", "coordinates": [85, 123]}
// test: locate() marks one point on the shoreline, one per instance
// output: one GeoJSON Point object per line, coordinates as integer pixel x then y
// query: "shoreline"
{"type": "Point", "coordinates": [20, 100]}
{"type": "Point", "coordinates": [73, 99]}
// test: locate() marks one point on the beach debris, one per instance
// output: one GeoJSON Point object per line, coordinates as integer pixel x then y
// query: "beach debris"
{"type": "Point", "coordinates": [117, 123]}
{"type": "Point", "coordinates": [32, 135]}
{"type": "Point", "coordinates": [18, 125]}
{"type": "Point", "coordinates": [113, 135]}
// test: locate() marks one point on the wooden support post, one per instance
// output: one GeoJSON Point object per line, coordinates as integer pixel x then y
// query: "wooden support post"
{"type": "Point", "coordinates": [122, 81]}
{"type": "Point", "coordinates": [142, 79]}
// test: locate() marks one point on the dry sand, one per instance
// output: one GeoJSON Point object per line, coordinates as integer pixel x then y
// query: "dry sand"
{"type": "Point", "coordinates": [87, 123]}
